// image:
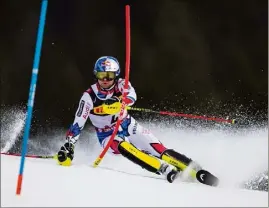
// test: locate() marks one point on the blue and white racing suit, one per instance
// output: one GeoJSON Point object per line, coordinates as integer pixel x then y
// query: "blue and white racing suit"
{"type": "Point", "coordinates": [130, 130]}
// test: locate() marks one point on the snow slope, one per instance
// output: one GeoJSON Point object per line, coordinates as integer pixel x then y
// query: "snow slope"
{"type": "Point", "coordinates": [234, 156]}
{"type": "Point", "coordinates": [47, 184]}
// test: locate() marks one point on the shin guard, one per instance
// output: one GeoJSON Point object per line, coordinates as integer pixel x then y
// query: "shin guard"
{"type": "Point", "coordinates": [174, 158]}
{"type": "Point", "coordinates": [146, 161]}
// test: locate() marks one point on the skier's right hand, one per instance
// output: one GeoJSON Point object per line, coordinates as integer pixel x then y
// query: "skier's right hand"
{"type": "Point", "coordinates": [66, 154]}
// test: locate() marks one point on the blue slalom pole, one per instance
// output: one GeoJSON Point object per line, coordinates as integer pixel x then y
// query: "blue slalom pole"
{"type": "Point", "coordinates": [31, 98]}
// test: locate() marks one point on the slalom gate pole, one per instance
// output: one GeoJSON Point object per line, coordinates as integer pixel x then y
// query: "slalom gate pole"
{"type": "Point", "coordinates": [32, 91]}
{"type": "Point", "coordinates": [30, 156]}
{"type": "Point", "coordinates": [127, 70]}
{"type": "Point", "coordinates": [232, 121]}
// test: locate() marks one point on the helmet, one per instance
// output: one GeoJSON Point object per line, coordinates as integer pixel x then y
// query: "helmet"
{"type": "Point", "coordinates": [107, 64]}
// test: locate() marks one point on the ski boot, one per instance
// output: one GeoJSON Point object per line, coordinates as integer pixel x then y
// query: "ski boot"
{"type": "Point", "coordinates": [189, 168]}
{"type": "Point", "coordinates": [169, 171]}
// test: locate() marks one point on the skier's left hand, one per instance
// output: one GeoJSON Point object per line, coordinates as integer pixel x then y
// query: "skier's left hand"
{"type": "Point", "coordinates": [66, 154]}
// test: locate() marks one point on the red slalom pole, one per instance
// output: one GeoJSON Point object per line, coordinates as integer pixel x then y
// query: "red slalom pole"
{"type": "Point", "coordinates": [127, 70]}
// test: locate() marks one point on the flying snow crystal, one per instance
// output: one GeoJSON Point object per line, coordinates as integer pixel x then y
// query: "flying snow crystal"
{"type": "Point", "coordinates": [12, 123]}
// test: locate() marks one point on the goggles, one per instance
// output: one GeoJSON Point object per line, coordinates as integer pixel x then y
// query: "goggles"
{"type": "Point", "coordinates": [105, 75]}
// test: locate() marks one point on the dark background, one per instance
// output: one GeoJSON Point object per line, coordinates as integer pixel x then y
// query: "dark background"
{"type": "Point", "coordinates": [204, 57]}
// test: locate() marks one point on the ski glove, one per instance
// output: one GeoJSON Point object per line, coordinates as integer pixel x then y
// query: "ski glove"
{"type": "Point", "coordinates": [66, 151]}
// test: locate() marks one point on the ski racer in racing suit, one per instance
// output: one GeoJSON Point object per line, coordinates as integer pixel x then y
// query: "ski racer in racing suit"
{"type": "Point", "coordinates": [132, 141]}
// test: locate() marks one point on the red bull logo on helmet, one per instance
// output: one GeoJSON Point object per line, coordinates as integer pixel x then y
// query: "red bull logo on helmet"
{"type": "Point", "coordinates": [106, 63]}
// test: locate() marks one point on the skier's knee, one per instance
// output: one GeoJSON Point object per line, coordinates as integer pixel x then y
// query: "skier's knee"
{"type": "Point", "coordinates": [159, 148]}
{"type": "Point", "coordinates": [113, 148]}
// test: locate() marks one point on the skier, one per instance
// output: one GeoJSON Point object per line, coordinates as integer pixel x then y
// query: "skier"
{"type": "Point", "coordinates": [132, 141]}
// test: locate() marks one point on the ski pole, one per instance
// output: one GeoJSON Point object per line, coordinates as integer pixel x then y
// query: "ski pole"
{"type": "Point", "coordinates": [114, 108]}
{"type": "Point", "coordinates": [232, 121]}
{"type": "Point", "coordinates": [31, 156]}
